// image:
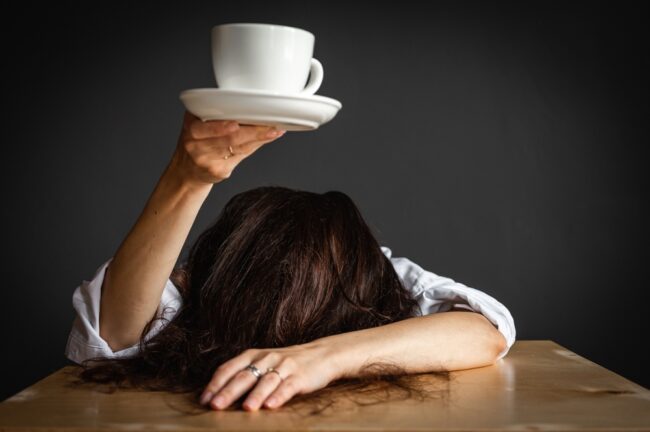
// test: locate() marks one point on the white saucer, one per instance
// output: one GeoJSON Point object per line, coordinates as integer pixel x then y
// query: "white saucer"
{"type": "Point", "coordinates": [292, 112]}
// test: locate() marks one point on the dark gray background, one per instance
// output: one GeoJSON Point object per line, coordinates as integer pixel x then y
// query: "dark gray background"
{"type": "Point", "coordinates": [499, 144]}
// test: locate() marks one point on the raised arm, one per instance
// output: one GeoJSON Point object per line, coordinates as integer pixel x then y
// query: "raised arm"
{"type": "Point", "coordinates": [137, 274]}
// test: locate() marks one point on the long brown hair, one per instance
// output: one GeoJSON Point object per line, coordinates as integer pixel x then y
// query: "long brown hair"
{"type": "Point", "coordinates": [278, 267]}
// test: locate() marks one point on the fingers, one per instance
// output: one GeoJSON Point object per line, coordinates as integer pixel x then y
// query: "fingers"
{"type": "Point", "coordinates": [244, 380]}
{"type": "Point", "coordinates": [199, 129]}
{"type": "Point", "coordinates": [225, 372]}
{"type": "Point", "coordinates": [247, 134]}
{"type": "Point", "coordinates": [220, 147]}
{"type": "Point", "coordinates": [245, 140]}
{"type": "Point", "coordinates": [239, 384]}
{"type": "Point", "coordinates": [232, 381]}
{"type": "Point", "coordinates": [215, 159]}
{"type": "Point", "coordinates": [265, 386]}
{"type": "Point", "coordinates": [285, 391]}
{"type": "Point", "coordinates": [237, 134]}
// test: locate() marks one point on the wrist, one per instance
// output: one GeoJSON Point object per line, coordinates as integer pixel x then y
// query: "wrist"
{"type": "Point", "coordinates": [343, 361]}
{"type": "Point", "coordinates": [177, 176]}
{"type": "Point", "coordinates": [173, 190]}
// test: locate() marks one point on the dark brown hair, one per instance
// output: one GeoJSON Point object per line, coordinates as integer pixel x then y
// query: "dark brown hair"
{"type": "Point", "coordinates": [278, 267]}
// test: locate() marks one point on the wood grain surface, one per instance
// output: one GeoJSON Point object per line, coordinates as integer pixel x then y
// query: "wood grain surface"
{"type": "Point", "coordinates": [539, 385]}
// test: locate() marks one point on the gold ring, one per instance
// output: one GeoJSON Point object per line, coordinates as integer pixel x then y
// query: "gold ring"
{"type": "Point", "coordinates": [273, 370]}
{"type": "Point", "coordinates": [231, 152]}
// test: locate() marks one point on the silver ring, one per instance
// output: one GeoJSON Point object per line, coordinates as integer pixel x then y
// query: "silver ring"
{"type": "Point", "coordinates": [254, 370]}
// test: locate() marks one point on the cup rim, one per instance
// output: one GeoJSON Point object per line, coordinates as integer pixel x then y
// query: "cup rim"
{"type": "Point", "coordinates": [251, 24]}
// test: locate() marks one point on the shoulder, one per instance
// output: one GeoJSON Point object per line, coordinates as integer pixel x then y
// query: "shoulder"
{"type": "Point", "coordinates": [408, 271]}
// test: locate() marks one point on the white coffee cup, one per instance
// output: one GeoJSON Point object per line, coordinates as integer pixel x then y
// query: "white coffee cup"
{"type": "Point", "coordinates": [268, 57]}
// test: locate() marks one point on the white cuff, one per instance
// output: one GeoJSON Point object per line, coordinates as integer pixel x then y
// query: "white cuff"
{"type": "Point", "coordinates": [84, 340]}
{"type": "Point", "coordinates": [436, 293]}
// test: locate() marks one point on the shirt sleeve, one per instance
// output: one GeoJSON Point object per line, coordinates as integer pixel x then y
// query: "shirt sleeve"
{"type": "Point", "coordinates": [84, 340]}
{"type": "Point", "coordinates": [436, 293]}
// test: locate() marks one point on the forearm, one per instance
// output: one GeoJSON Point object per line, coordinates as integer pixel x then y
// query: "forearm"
{"type": "Point", "coordinates": [435, 342]}
{"type": "Point", "coordinates": [136, 277]}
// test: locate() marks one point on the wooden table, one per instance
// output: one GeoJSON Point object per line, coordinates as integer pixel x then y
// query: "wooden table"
{"type": "Point", "coordinates": [539, 385]}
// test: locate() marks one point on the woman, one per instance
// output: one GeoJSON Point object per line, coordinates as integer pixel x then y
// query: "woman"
{"type": "Point", "coordinates": [287, 292]}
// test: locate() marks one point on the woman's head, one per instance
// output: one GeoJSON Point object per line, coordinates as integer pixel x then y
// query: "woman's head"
{"type": "Point", "coordinates": [281, 267]}
{"type": "Point", "coordinates": [278, 267]}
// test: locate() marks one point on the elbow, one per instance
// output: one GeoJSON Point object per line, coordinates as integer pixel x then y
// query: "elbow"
{"type": "Point", "coordinates": [109, 336]}
{"type": "Point", "coordinates": [496, 342]}
{"type": "Point", "coordinates": [113, 343]}
{"type": "Point", "coordinates": [500, 345]}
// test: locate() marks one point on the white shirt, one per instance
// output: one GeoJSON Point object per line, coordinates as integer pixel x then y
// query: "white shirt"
{"type": "Point", "coordinates": [433, 293]}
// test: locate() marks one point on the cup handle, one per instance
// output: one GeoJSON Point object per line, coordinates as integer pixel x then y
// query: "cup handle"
{"type": "Point", "coordinates": [315, 78]}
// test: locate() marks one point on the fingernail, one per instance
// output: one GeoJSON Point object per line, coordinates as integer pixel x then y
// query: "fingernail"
{"type": "Point", "coordinates": [218, 401]}
{"type": "Point", "coordinates": [273, 133]}
{"type": "Point", "coordinates": [271, 402]}
{"type": "Point", "coordinates": [206, 397]}
{"type": "Point", "coordinates": [232, 126]}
